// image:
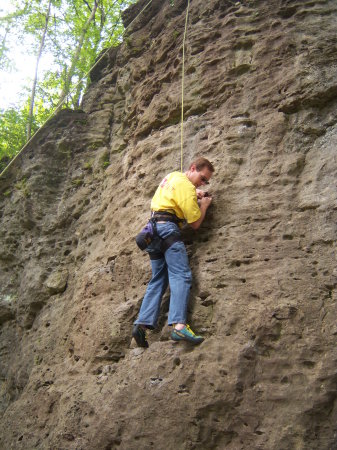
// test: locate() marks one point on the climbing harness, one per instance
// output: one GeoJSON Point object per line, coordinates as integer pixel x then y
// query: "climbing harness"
{"type": "Point", "coordinates": [72, 90]}
{"type": "Point", "coordinates": [166, 216]}
{"type": "Point", "coordinates": [150, 233]}
{"type": "Point", "coordinates": [147, 234]}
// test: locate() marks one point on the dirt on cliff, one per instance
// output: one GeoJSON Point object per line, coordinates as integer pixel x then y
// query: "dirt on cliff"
{"type": "Point", "coordinates": [260, 101]}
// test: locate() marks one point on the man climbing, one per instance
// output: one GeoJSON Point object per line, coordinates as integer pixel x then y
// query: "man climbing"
{"type": "Point", "coordinates": [175, 201]}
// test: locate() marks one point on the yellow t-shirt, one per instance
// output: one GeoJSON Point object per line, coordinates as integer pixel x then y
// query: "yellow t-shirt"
{"type": "Point", "coordinates": [177, 194]}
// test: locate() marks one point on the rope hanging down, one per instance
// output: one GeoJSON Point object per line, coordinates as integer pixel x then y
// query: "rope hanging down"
{"type": "Point", "coordinates": [182, 91]}
{"type": "Point", "coordinates": [70, 92]}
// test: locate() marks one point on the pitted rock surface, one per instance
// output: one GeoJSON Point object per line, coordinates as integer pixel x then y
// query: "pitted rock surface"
{"type": "Point", "coordinates": [260, 103]}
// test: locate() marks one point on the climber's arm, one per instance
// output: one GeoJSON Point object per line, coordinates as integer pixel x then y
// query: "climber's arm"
{"type": "Point", "coordinates": [204, 204]}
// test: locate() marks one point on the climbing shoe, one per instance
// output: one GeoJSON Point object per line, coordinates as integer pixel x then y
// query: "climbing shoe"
{"type": "Point", "coordinates": [139, 334]}
{"type": "Point", "coordinates": [186, 334]}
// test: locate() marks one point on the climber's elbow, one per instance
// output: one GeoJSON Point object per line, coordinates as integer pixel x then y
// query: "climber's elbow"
{"type": "Point", "coordinates": [195, 225]}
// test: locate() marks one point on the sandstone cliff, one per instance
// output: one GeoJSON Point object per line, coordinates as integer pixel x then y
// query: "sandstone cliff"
{"type": "Point", "coordinates": [261, 104]}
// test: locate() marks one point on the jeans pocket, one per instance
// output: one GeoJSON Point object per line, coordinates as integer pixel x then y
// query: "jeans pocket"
{"type": "Point", "coordinates": [167, 229]}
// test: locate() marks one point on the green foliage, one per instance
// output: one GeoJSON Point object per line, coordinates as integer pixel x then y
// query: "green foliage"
{"type": "Point", "coordinates": [73, 33]}
{"type": "Point", "coordinates": [105, 160]}
{"type": "Point", "coordinates": [13, 124]}
{"type": "Point", "coordinates": [12, 131]}
{"type": "Point", "coordinates": [23, 187]}
{"type": "Point", "coordinates": [77, 182]}
{"type": "Point", "coordinates": [88, 165]}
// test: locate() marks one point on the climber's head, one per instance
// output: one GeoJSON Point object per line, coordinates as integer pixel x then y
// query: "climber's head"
{"type": "Point", "coordinates": [200, 172]}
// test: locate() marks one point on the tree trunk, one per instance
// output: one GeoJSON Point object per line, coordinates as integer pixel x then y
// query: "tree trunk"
{"type": "Point", "coordinates": [32, 97]}
{"type": "Point", "coordinates": [66, 87]}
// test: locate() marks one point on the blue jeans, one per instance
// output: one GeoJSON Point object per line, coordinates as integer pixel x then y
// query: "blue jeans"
{"type": "Point", "coordinates": [170, 268]}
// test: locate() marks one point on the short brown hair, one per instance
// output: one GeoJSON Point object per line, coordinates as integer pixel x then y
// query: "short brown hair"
{"type": "Point", "coordinates": [201, 162]}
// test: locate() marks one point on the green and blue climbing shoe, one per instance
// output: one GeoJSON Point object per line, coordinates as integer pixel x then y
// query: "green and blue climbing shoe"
{"type": "Point", "coordinates": [139, 334]}
{"type": "Point", "coordinates": [186, 334]}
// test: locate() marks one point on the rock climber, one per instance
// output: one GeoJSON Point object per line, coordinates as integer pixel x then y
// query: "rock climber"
{"type": "Point", "coordinates": [177, 200]}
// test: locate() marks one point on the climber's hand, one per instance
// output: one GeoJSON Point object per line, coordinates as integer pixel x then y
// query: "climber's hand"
{"type": "Point", "coordinates": [201, 194]}
{"type": "Point", "coordinates": [205, 201]}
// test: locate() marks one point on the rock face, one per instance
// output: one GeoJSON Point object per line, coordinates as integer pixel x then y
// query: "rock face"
{"type": "Point", "coordinates": [261, 104]}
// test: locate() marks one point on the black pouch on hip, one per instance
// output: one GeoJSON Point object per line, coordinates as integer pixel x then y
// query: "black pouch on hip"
{"type": "Point", "coordinates": [147, 234]}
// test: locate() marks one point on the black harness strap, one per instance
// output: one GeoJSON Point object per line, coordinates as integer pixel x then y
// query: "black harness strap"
{"type": "Point", "coordinates": [164, 245]}
{"type": "Point", "coordinates": [170, 240]}
{"type": "Point", "coordinates": [164, 216]}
